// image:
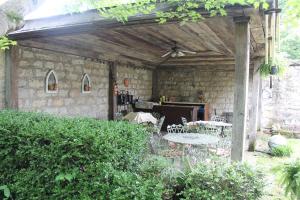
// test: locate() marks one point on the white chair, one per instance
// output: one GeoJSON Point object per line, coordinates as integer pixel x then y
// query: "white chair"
{"type": "Point", "coordinates": [159, 125]}
{"type": "Point", "coordinates": [184, 121]}
{"type": "Point", "coordinates": [212, 130]}
{"type": "Point", "coordinates": [218, 118]}
{"type": "Point", "coordinates": [174, 128]}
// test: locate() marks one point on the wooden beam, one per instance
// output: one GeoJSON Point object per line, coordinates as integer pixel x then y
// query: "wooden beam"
{"type": "Point", "coordinates": [254, 105]}
{"type": "Point", "coordinates": [242, 60]}
{"type": "Point", "coordinates": [11, 78]}
{"type": "Point", "coordinates": [204, 63]}
{"type": "Point", "coordinates": [112, 98]}
{"type": "Point", "coordinates": [200, 59]}
{"type": "Point", "coordinates": [259, 120]}
{"type": "Point", "coordinates": [220, 36]}
{"type": "Point", "coordinates": [83, 51]}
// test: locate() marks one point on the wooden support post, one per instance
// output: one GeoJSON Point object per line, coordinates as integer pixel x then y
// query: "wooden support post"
{"type": "Point", "coordinates": [11, 78]}
{"type": "Point", "coordinates": [155, 94]}
{"type": "Point", "coordinates": [259, 121]}
{"type": "Point", "coordinates": [255, 104]}
{"type": "Point", "coordinates": [242, 59]}
{"type": "Point", "coordinates": [112, 98]}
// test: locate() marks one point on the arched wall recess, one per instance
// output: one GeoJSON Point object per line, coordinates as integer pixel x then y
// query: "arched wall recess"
{"type": "Point", "coordinates": [51, 83]}
{"type": "Point", "coordinates": [86, 84]}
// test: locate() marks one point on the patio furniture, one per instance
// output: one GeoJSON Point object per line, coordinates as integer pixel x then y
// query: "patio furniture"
{"type": "Point", "coordinates": [212, 130]}
{"type": "Point", "coordinates": [174, 128]}
{"type": "Point", "coordinates": [202, 108]}
{"type": "Point", "coordinates": [191, 141]}
{"type": "Point", "coordinates": [174, 113]}
{"type": "Point", "coordinates": [218, 118]}
{"type": "Point", "coordinates": [184, 121]}
{"type": "Point", "coordinates": [191, 138]}
{"type": "Point", "coordinates": [140, 117]}
{"type": "Point", "coordinates": [159, 124]}
{"type": "Point", "coordinates": [222, 125]}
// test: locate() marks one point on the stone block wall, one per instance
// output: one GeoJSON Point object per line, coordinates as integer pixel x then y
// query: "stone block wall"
{"type": "Point", "coordinates": [217, 83]}
{"type": "Point", "coordinates": [33, 65]}
{"type": "Point", "coordinates": [140, 81]}
{"type": "Point", "coordinates": [281, 104]}
{"type": "Point", "coordinates": [2, 81]}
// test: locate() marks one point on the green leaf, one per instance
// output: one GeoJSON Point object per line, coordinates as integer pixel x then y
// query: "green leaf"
{"type": "Point", "coordinates": [5, 190]}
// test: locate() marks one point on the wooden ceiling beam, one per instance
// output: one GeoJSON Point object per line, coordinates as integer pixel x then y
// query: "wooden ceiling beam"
{"type": "Point", "coordinates": [108, 47]}
{"type": "Point", "coordinates": [214, 63]}
{"type": "Point", "coordinates": [221, 29]}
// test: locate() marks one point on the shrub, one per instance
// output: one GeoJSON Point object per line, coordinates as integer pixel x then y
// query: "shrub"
{"type": "Point", "coordinates": [228, 182]}
{"type": "Point", "coordinates": [289, 176]}
{"type": "Point", "coordinates": [47, 157]}
{"type": "Point", "coordinates": [282, 151]}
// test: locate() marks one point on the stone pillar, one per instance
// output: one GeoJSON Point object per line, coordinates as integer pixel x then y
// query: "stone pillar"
{"type": "Point", "coordinates": [255, 104]}
{"type": "Point", "coordinates": [11, 78]}
{"type": "Point", "coordinates": [242, 59]}
{"type": "Point", "coordinates": [112, 98]}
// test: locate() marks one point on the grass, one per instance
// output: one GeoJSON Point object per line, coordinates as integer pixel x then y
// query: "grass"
{"type": "Point", "coordinates": [266, 163]}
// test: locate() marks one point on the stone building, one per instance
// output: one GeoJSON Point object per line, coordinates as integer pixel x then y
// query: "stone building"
{"type": "Point", "coordinates": [75, 51]}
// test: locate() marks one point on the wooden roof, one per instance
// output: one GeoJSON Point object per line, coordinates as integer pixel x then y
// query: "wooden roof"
{"type": "Point", "coordinates": [142, 41]}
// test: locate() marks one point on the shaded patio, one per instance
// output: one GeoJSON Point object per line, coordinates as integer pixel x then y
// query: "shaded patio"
{"type": "Point", "coordinates": [235, 44]}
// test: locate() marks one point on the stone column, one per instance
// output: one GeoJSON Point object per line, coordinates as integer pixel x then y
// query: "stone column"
{"type": "Point", "coordinates": [242, 59]}
{"type": "Point", "coordinates": [255, 104]}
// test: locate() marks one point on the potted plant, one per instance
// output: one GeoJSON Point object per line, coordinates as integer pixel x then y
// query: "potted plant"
{"type": "Point", "coordinates": [273, 67]}
{"type": "Point", "coordinates": [274, 70]}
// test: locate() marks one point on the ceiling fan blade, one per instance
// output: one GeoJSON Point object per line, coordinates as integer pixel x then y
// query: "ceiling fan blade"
{"type": "Point", "coordinates": [186, 51]}
{"type": "Point", "coordinates": [167, 57]}
{"type": "Point", "coordinates": [180, 54]}
{"type": "Point", "coordinates": [166, 54]}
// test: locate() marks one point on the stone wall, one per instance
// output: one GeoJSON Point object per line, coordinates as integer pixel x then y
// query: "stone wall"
{"type": "Point", "coordinates": [217, 83]}
{"type": "Point", "coordinates": [2, 81]}
{"type": "Point", "coordinates": [281, 104]}
{"type": "Point", "coordinates": [140, 81]}
{"type": "Point", "coordinates": [33, 65]}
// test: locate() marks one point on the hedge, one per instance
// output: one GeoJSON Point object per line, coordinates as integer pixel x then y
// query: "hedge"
{"type": "Point", "coordinates": [234, 181]}
{"type": "Point", "coordinates": [47, 157]}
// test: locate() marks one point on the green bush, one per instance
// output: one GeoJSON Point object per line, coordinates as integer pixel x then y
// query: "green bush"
{"type": "Point", "coordinates": [227, 182]}
{"type": "Point", "coordinates": [282, 151]}
{"type": "Point", "coordinates": [289, 176]}
{"type": "Point", "coordinates": [47, 157]}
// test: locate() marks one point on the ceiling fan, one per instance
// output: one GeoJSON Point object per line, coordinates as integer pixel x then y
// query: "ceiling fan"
{"type": "Point", "coordinates": [175, 51]}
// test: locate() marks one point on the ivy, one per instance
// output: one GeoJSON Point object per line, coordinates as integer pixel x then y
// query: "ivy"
{"type": "Point", "coordinates": [183, 11]}
{"type": "Point", "coordinates": [5, 43]}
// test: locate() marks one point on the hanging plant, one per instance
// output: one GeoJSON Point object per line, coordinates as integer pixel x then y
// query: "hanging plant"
{"type": "Point", "coordinates": [272, 68]}
{"type": "Point", "coordinates": [265, 69]}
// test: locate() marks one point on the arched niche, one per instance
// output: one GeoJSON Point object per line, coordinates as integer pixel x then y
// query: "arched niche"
{"type": "Point", "coordinates": [51, 84]}
{"type": "Point", "coordinates": [86, 84]}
